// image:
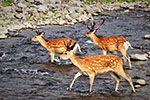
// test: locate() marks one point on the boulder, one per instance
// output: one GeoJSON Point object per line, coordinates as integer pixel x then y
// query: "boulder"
{"type": "Point", "coordinates": [140, 57]}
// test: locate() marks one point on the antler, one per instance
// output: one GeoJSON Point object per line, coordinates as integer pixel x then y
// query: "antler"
{"type": "Point", "coordinates": [92, 26]}
{"type": "Point", "coordinates": [38, 32]}
{"type": "Point", "coordinates": [68, 45]}
{"type": "Point", "coordinates": [100, 24]}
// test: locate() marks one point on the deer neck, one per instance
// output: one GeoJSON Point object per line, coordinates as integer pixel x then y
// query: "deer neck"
{"type": "Point", "coordinates": [76, 60]}
{"type": "Point", "coordinates": [43, 42]}
{"type": "Point", "coordinates": [95, 39]}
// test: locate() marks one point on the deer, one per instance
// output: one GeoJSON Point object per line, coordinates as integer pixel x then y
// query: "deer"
{"type": "Point", "coordinates": [93, 65]}
{"type": "Point", "coordinates": [110, 44]}
{"type": "Point", "coordinates": [53, 46]}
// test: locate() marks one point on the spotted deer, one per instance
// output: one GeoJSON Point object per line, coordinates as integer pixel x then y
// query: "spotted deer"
{"type": "Point", "coordinates": [110, 44]}
{"type": "Point", "coordinates": [54, 46]}
{"type": "Point", "coordinates": [92, 65]}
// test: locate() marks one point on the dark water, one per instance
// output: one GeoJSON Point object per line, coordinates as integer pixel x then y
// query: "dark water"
{"type": "Point", "coordinates": [27, 74]}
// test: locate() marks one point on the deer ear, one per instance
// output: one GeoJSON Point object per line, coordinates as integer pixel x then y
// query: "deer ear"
{"type": "Point", "coordinates": [42, 33]}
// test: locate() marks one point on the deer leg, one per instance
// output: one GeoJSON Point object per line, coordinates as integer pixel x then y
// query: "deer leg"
{"type": "Point", "coordinates": [117, 78]}
{"type": "Point", "coordinates": [75, 77]}
{"type": "Point", "coordinates": [126, 57]}
{"type": "Point", "coordinates": [104, 52]}
{"type": "Point", "coordinates": [91, 76]}
{"type": "Point", "coordinates": [52, 56]}
{"type": "Point", "coordinates": [124, 75]}
{"type": "Point", "coordinates": [129, 61]}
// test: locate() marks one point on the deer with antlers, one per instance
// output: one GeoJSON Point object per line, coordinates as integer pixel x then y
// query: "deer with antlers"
{"type": "Point", "coordinates": [110, 44]}
{"type": "Point", "coordinates": [92, 65]}
{"type": "Point", "coordinates": [54, 46]}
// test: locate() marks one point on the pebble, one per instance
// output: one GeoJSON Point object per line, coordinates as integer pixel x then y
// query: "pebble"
{"type": "Point", "coordinates": [147, 36]}
{"type": "Point", "coordinates": [140, 57]}
{"type": "Point", "coordinates": [141, 82]}
{"type": "Point", "coordinates": [138, 86]}
{"type": "Point", "coordinates": [126, 11]}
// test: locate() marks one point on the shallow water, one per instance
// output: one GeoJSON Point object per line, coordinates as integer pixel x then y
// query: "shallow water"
{"type": "Point", "coordinates": [26, 73]}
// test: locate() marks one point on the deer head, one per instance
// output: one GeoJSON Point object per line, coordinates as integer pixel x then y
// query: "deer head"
{"type": "Point", "coordinates": [38, 36]}
{"type": "Point", "coordinates": [69, 50]}
{"type": "Point", "coordinates": [92, 29]}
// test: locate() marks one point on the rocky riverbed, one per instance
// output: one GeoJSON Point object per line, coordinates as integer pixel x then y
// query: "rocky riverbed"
{"type": "Point", "coordinates": [27, 74]}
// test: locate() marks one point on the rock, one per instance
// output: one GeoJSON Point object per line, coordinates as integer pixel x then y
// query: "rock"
{"type": "Point", "coordinates": [27, 25]}
{"type": "Point", "coordinates": [140, 57]}
{"type": "Point", "coordinates": [72, 10]}
{"type": "Point", "coordinates": [19, 10]}
{"type": "Point", "coordinates": [61, 22]}
{"type": "Point", "coordinates": [42, 8]}
{"type": "Point", "coordinates": [74, 21]}
{"type": "Point", "coordinates": [68, 17]}
{"type": "Point", "coordinates": [124, 5]}
{"type": "Point", "coordinates": [126, 11]}
{"type": "Point", "coordinates": [19, 16]}
{"type": "Point", "coordinates": [31, 1]}
{"type": "Point", "coordinates": [131, 8]}
{"type": "Point", "coordinates": [22, 5]}
{"type": "Point", "coordinates": [84, 17]}
{"type": "Point", "coordinates": [47, 22]}
{"type": "Point", "coordinates": [147, 36]}
{"type": "Point", "coordinates": [141, 82]}
{"type": "Point", "coordinates": [95, 14]}
{"type": "Point", "coordinates": [15, 27]}
{"type": "Point", "coordinates": [99, 6]}
{"type": "Point", "coordinates": [78, 3]}
{"type": "Point", "coordinates": [3, 31]}
{"type": "Point", "coordinates": [89, 41]}
{"type": "Point", "coordinates": [138, 86]}
{"type": "Point", "coordinates": [148, 73]}
{"type": "Point", "coordinates": [89, 9]}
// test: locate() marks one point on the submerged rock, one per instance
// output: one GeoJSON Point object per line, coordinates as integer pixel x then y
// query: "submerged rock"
{"type": "Point", "coordinates": [140, 57]}
{"type": "Point", "coordinates": [147, 36]}
{"type": "Point", "coordinates": [141, 82]}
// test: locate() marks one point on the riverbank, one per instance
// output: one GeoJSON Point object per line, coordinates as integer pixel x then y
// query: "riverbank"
{"type": "Point", "coordinates": [22, 14]}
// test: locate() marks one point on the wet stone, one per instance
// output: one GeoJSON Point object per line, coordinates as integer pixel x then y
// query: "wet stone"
{"type": "Point", "coordinates": [148, 73]}
{"type": "Point", "coordinates": [140, 57]}
{"type": "Point", "coordinates": [141, 82]}
{"type": "Point", "coordinates": [147, 36]}
{"type": "Point", "coordinates": [138, 86]}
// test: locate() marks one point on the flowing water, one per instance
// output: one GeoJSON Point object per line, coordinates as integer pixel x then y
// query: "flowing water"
{"type": "Point", "coordinates": [27, 74]}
